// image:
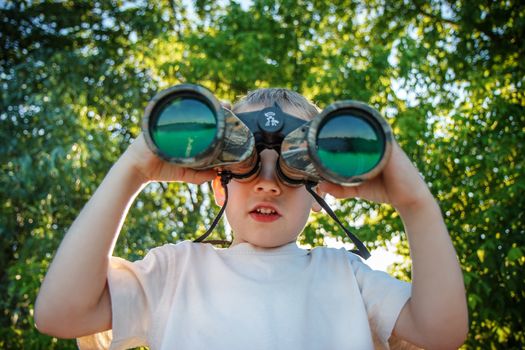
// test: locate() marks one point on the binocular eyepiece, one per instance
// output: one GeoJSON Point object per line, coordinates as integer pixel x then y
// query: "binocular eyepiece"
{"type": "Point", "coordinates": [347, 143]}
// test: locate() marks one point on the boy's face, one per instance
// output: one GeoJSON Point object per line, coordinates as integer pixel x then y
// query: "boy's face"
{"type": "Point", "coordinates": [264, 211]}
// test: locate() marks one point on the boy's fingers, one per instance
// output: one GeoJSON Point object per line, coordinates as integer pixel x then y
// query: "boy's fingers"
{"type": "Point", "coordinates": [200, 176]}
{"type": "Point", "coordinates": [338, 191]}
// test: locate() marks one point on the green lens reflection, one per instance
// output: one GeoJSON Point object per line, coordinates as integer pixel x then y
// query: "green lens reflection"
{"type": "Point", "coordinates": [349, 145]}
{"type": "Point", "coordinates": [184, 128]}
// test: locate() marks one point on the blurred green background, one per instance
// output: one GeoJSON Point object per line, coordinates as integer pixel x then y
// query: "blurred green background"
{"type": "Point", "coordinates": [75, 77]}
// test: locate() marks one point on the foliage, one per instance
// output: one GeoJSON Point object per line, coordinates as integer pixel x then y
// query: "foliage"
{"type": "Point", "coordinates": [448, 75]}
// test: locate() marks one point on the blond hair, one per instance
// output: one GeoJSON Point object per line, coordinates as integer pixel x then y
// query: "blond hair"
{"type": "Point", "coordinates": [267, 97]}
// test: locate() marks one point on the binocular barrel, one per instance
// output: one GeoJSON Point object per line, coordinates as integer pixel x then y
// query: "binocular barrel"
{"type": "Point", "coordinates": [187, 126]}
{"type": "Point", "coordinates": [347, 143]}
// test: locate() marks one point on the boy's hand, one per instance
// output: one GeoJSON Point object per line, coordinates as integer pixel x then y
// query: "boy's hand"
{"type": "Point", "coordinates": [149, 167]}
{"type": "Point", "coordinates": [399, 184]}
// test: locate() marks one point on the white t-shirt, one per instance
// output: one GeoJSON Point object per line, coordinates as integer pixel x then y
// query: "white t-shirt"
{"type": "Point", "coordinates": [195, 296]}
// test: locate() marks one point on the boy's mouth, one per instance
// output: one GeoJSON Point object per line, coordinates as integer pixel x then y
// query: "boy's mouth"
{"type": "Point", "coordinates": [264, 214]}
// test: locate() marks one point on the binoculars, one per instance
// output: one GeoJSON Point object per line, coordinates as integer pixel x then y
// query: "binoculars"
{"type": "Point", "coordinates": [347, 143]}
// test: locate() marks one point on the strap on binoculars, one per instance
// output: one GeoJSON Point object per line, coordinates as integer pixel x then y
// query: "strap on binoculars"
{"type": "Point", "coordinates": [226, 176]}
{"type": "Point", "coordinates": [361, 249]}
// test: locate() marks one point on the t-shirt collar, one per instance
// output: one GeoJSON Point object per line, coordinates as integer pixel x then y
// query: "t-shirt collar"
{"type": "Point", "coordinates": [246, 248]}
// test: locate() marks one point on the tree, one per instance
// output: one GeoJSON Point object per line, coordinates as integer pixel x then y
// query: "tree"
{"type": "Point", "coordinates": [76, 76]}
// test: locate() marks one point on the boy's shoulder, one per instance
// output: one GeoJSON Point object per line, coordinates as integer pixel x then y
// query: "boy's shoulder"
{"type": "Point", "coordinates": [165, 258]}
{"type": "Point", "coordinates": [168, 252]}
{"type": "Point", "coordinates": [333, 251]}
{"type": "Point", "coordinates": [181, 247]}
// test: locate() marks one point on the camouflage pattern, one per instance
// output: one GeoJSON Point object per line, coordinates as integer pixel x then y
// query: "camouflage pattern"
{"type": "Point", "coordinates": [238, 154]}
{"type": "Point", "coordinates": [295, 162]}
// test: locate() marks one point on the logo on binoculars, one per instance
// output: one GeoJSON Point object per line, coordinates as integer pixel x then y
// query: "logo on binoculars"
{"type": "Point", "coordinates": [270, 120]}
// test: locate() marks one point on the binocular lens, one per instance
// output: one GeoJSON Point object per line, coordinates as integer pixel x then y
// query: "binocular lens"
{"type": "Point", "coordinates": [184, 127]}
{"type": "Point", "coordinates": [350, 145]}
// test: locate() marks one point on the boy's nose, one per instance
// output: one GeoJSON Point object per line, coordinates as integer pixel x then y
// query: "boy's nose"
{"type": "Point", "coordinates": [267, 180]}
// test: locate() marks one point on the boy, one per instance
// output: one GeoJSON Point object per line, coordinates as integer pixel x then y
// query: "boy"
{"type": "Point", "coordinates": [263, 292]}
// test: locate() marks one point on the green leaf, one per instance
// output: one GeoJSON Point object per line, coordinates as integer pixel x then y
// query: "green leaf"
{"type": "Point", "coordinates": [514, 254]}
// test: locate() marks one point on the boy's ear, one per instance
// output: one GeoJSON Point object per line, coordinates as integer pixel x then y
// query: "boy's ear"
{"type": "Point", "coordinates": [316, 207]}
{"type": "Point", "coordinates": [218, 191]}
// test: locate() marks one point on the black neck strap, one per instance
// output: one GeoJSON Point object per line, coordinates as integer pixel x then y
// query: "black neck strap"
{"type": "Point", "coordinates": [361, 249]}
{"type": "Point", "coordinates": [226, 176]}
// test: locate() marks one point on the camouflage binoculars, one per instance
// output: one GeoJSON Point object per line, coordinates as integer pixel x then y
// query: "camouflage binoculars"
{"type": "Point", "coordinates": [347, 143]}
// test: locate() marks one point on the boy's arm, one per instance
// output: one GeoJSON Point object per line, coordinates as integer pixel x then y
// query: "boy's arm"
{"type": "Point", "coordinates": [74, 297]}
{"type": "Point", "coordinates": [435, 316]}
